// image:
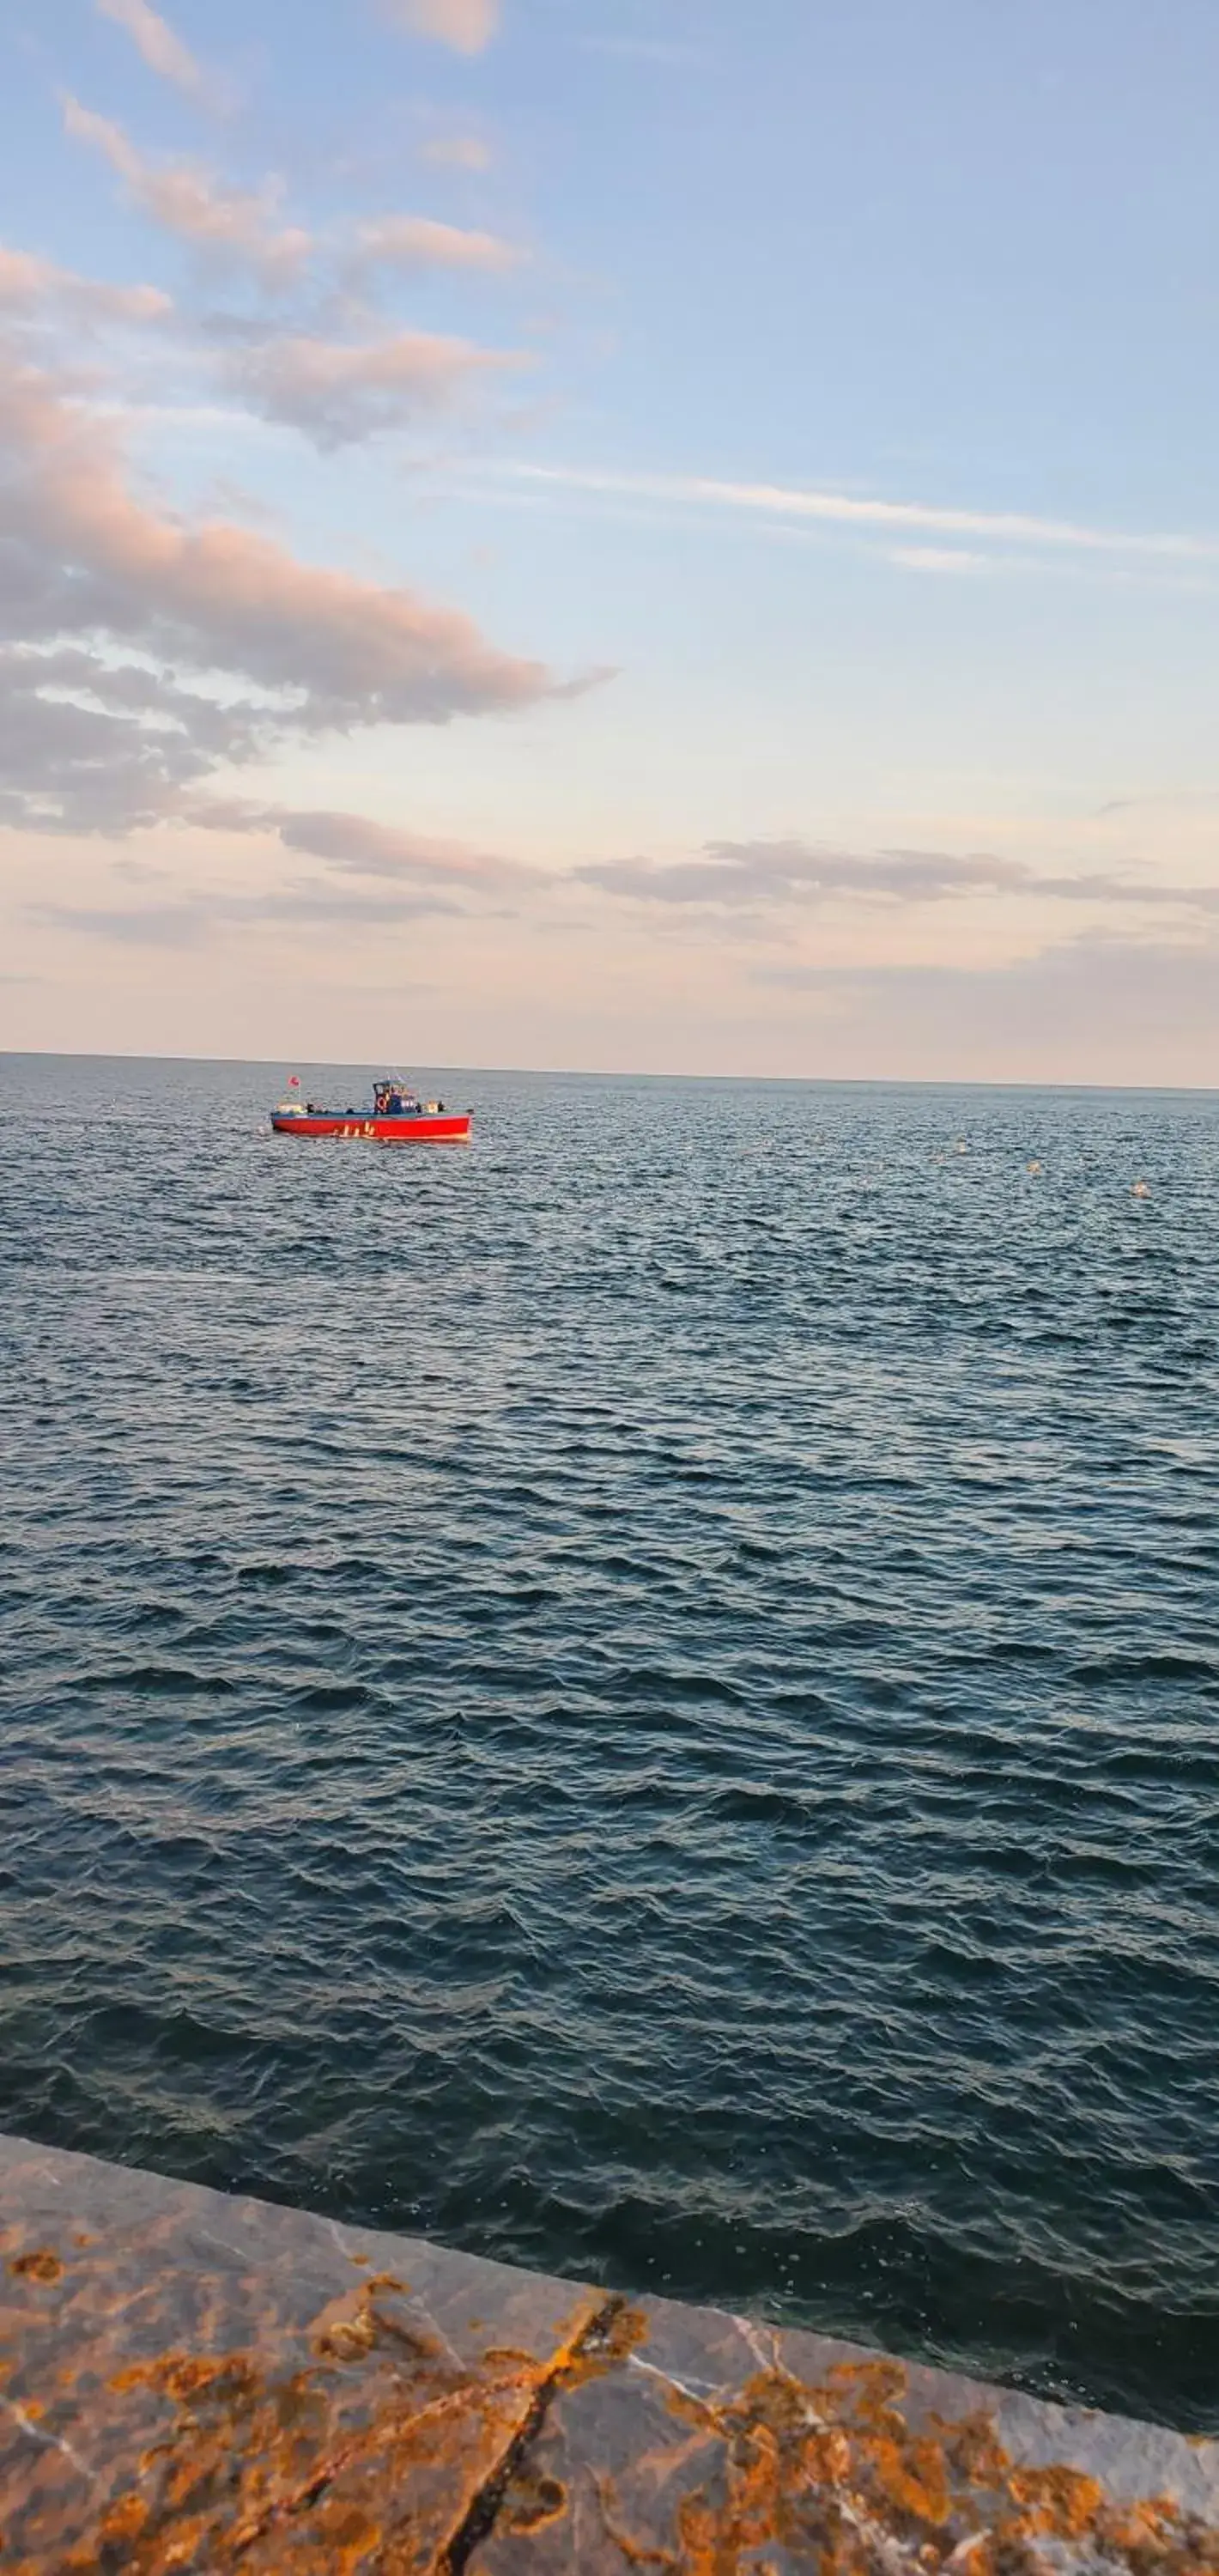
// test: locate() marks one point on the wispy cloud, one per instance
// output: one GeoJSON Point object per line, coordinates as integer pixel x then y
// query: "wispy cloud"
{"type": "Point", "coordinates": [246, 226]}
{"type": "Point", "coordinates": [761, 875]}
{"type": "Point", "coordinates": [750, 873]}
{"type": "Point", "coordinates": [371, 876]}
{"type": "Point", "coordinates": [851, 510]}
{"type": "Point", "coordinates": [194, 205]}
{"type": "Point", "coordinates": [196, 919]}
{"type": "Point", "coordinates": [417, 241]}
{"type": "Point", "coordinates": [162, 49]}
{"type": "Point", "coordinates": [28, 284]}
{"type": "Point", "coordinates": [355, 845]}
{"type": "Point", "coordinates": [341, 391]}
{"type": "Point", "coordinates": [467, 25]}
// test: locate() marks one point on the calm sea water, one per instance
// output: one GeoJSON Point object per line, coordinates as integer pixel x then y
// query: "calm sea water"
{"type": "Point", "coordinates": [643, 1697]}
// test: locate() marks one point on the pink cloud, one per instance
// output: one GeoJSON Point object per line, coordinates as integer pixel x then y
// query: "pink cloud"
{"type": "Point", "coordinates": [353, 845]}
{"type": "Point", "coordinates": [195, 206]}
{"type": "Point", "coordinates": [467, 25]}
{"type": "Point", "coordinates": [357, 846]}
{"type": "Point", "coordinates": [26, 283]}
{"type": "Point", "coordinates": [162, 50]}
{"type": "Point", "coordinates": [300, 648]}
{"type": "Point", "coordinates": [415, 241]}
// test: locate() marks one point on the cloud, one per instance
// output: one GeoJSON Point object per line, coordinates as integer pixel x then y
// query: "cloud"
{"type": "Point", "coordinates": [415, 241]}
{"type": "Point", "coordinates": [459, 152]}
{"type": "Point", "coordinates": [196, 643]}
{"type": "Point", "coordinates": [27, 284]}
{"type": "Point", "coordinates": [92, 744]}
{"type": "Point", "coordinates": [338, 392]}
{"type": "Point", "coordinates": [194, 205]}
{"type": "Point", "coordinates": [355, 845]}
{"type": "Point", "coordinates": [199, 918]}
{"type": "Point", "coordinates": [848, 510]}
{"type": "Point", "coordinates": [757, 875]}
{"type": "Point", "coordinates": [162, 50]}
{"type": "Point", "coordinates": [385, 875]}
{"type": "Point", "coordinates": [466, 25]}
{"type": "Point", "coordinates": [769, 872]}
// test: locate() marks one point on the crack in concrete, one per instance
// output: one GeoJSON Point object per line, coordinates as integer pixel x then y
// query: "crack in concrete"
{"type": "Point", "coordinates": [482, 2512]}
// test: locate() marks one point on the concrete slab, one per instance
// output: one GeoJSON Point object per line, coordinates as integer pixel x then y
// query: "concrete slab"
{"type": "Point", "coordinates": [193, 2383]}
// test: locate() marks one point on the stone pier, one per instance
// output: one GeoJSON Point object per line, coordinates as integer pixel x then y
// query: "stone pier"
{"type": "Point", "coordinates": [191, 2383]}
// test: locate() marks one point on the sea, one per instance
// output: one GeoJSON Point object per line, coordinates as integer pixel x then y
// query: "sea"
{"type": "Point", "coordinates": [641, 1697]}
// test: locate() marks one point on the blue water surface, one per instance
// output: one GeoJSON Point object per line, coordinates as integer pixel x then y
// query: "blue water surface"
{"type": "Point", "coordinates": [642, 1697]}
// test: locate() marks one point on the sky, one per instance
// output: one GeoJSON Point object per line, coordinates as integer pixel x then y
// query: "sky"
{"type": "Point", "coordinates": [651, 535]}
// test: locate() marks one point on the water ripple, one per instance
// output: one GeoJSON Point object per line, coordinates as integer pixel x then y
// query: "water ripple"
{"type": "Point", "coordinates": [644, 1697]}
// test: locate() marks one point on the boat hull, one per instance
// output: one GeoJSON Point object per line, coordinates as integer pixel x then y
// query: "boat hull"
{"type": "Point", "coordinates": [436, 1130]}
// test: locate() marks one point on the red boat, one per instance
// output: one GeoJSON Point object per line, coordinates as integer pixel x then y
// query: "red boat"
{"type": "Point", "coordinates": [397, 1117]}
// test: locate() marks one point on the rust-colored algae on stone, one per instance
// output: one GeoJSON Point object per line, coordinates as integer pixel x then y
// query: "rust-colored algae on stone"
{"type": "Point", "coordinates": [307, 2473]}
{"type": "Point", "coordinates": [321, 2419]}
{"type": "Point", "coordinates": [221, 2389]}
{"type": "Point", "coordinates": [621, 2331]}
{"type": "Point", "coordinates": [534, 2501]}
{"type": "Point", "coordinates": [41, 2265]}
{"type": "Point", "coordinates": [302, 2474]}
{"type": "Point", "coordinates": [833, 2477]}
{"type": "Point", "coordinates": [778, 2473]}
{"type": "Point", "coordinates": [1056, 2500]}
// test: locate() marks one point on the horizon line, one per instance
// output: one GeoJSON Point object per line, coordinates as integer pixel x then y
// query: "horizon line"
{"type": "Point", "coordinates": [588, 1073]}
